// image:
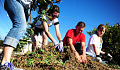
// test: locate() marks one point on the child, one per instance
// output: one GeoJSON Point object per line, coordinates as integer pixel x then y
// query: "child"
{"type": "Point", "coordinates": [95, 43]}
{"type": "Point", "coordinates": [72, 37]}
{"type": "Point", "coordinates": [39, 40]}
{"type": "Point", "coordinates": [53, 12]}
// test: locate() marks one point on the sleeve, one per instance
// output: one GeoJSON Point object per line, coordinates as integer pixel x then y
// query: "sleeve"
{"type": "Point", "coordinates": [93, 39]}
{"type": "Point", "coordinates": [83, 38]}
{"type": "Point", "coordinates": [55, 21]}
{"type": "Point", "coordinates": [69, 34]}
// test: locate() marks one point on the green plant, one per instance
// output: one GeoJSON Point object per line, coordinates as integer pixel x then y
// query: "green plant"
{"type": "Point", "coordinates": [41, 51]}
{"type": "Point", "coordinates": [30, 62]}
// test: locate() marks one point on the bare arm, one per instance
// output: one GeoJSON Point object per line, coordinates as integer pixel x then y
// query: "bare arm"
{"type": "Point", "coordinates": [95, 49]}
{"type": "Point", "coordinates": [102, 52]}
{"type": "Point", "coordinates": [69, 41]}
{"type": "Point", "coordinates": [58, 32]}
{"type": "Point", "coordinates": [83, 56]}
{"type": "Point", "coordinates": [47, 32]}
{"type": "Point", "coordinates": [83, 48]}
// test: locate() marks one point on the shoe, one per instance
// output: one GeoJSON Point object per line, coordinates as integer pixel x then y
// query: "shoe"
{"type": "Point", "coordinates": [9, 66]}
{"type": "Point", "coordinates": [3, 67]}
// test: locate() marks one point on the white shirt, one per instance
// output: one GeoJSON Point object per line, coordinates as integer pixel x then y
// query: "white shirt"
{"type": "Point", "coordinates": [26, 3]}
{"type": "Point", "coordinates": [50, 22]}
{"type": "Point", "coordinates": [94, 39]}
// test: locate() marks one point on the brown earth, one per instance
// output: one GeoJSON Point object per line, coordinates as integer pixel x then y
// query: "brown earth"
{"type": "Point", "coordinates": [41, 61]}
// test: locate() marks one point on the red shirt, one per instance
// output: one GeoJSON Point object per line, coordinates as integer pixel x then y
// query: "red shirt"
{"type": "Point", "coordinates": [71, 34]}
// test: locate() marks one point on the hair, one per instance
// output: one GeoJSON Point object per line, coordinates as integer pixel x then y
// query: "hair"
{"type": "Point", "coordinates": [101, 27]}
{"type": "Point", "coordinates": [52, 9]}
{"type": "Point", "coordinates": [81, 24]}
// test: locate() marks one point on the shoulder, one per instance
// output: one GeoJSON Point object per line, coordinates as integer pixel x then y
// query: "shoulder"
{"type": "Point", "coordinates": [71, 30]}
{"type": "Point", "coordinates": [55, 20]}
{"type": "Point", "coordinates": [94, 35]}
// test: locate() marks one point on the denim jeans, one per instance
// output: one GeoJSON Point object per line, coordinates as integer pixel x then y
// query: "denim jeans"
{"type": "Point", "coordinates": [78, 48]}
{"type": "Point", "coordinates": [18, 16]}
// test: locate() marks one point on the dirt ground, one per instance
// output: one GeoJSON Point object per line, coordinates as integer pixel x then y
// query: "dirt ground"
{"type": "Point", "coordinates": [68, 59]}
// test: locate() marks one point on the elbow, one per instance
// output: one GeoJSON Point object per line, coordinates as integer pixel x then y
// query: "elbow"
{"type": "Point", "coordinates": [46, 32]}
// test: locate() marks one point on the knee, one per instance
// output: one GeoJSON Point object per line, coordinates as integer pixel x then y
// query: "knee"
{"type": "Point", "coordinates": [45, 38]}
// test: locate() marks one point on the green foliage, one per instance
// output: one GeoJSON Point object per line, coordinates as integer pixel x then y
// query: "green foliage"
{"type": "Point", "coordinates": [30, 62]}
{"type": "Point", "coordinates": [111, 41]}
{"type": "Point", "coordinates": [115, 66]}
{"type": "Point", "coordinates": [92, 32]}
{"type": "Point", "coordinates": [42, 6]}
{"type": "Point", "coordinates": [41, 51]}
{"type": "Point", "coordinates": [52, 58]}
{"type": "Point", "coordinates": [21, 44]}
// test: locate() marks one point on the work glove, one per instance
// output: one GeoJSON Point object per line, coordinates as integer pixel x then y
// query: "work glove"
{"type": "Point", "coordinates": [55, 44]}
{"type": "Point", "coordinates": [109, 57]}
{"type": "Point", "coordinates": [98, 58]}
{"type": "Point", "coordinates": [61, 48]}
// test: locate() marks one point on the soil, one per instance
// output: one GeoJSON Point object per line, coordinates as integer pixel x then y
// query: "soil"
{"type": "Point", "coordinates": [68, 59]}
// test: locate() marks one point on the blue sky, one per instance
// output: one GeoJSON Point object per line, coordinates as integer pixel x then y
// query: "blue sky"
{"type": "Point", "coordinates": [92, 12]}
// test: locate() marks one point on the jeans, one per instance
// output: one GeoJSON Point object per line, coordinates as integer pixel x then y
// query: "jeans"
{"type": "Point", "coordinates": [18, 16]}
{"type": "Point", "coordinates": [78, 48]}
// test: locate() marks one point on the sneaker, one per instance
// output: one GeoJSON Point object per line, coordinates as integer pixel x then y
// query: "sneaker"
{"type": "Point", "coordinates": [9, 66]}
{"type": "Point", "coordinates": [3, 67]}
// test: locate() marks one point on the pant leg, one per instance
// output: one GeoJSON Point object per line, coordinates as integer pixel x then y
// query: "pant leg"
{"type": "Point", "coordinates": [16, 13]}
{"type": "Point", "coordinates": [78, 48]}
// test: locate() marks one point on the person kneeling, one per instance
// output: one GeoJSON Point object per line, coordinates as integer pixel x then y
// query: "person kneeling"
{"type": "Point", "coordinates": [72, 37]}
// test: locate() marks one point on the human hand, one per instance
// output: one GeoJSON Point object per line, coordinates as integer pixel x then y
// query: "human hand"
{"type": "Point", "coordinates": [98, 58]}
{"type": "Point", "coordinates": [83, 58]}
{"type": "Point", "coordinates": [78, 56]}
{"type": "Point", "coordinates": [55, 43]}
{"type": "Point", "coordinates": [60, 47]}
{"type": "Point", "coordinates": [109, 57]}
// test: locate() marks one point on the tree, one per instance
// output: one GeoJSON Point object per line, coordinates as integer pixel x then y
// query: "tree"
{"type": "Point", "coordinates": [111, 41]}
